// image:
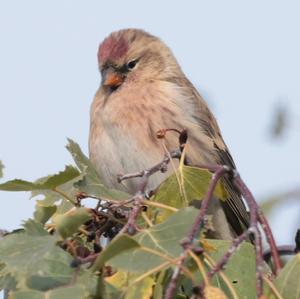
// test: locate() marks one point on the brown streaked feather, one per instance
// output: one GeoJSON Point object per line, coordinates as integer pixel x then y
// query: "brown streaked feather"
{"type": "Point", "coordinates": [233, 207]}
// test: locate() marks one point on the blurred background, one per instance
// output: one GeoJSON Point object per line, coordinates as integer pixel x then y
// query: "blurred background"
{"type": "Point", "coordinates": [242, 56]}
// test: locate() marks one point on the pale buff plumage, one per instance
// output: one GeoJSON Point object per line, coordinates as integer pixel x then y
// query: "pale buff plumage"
{"type": "Point", "coordinates": [154, 95]}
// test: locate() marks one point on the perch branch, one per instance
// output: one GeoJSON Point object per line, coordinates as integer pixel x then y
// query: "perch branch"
{"type": "Point", "coordinates": [139, 197]}
{"type": "Point", "coordinates": [188, 242]}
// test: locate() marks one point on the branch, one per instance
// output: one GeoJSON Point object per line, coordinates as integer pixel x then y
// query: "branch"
{"type": "Point", "coordinates": [273, 248]}
{"type": "Point", "coordinates": [188, 242]}
{"type": "Point", "coordinates": [139, 197]}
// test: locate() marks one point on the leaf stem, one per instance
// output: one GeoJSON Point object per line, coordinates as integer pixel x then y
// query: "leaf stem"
{"type": "Point", "coordinates": [200, 266]}
{"type": "Point", "coordinates": [272, 287]}
{"type": "Point", "coordinates": [159, 205]}
{"type": "Point", "coordinates": [212, 264]}
{"type": "Point", "coordinates": [64, 195]}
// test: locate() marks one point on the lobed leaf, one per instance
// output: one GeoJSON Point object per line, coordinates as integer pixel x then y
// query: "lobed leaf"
{"type": "Point", "coordinates": [74, 292]}
{"type": "Point", "coordinates": [240, 270]}
{"type": "Point", "coordinates": [160, 245]}
{"type": "Point", "coordinates": [186, 184]}
{"type": "Point", "coordinates": [33, 254]}
{"type": "Point", "coordinates": [288, 280]}
{"type": "Point", "coordinates": [50, 182]}
{"type": "Point", "coordinates": [68, 224]}
{"type": "Point", "coordinates": [43, 212]}
{"type": "Point", "coordinates": [118, 245]}
{"type": "Point", "coordinates": [91, 182]}
{"type": "Point", "coordinates": [122, 281]}
{"type": "Point", "coordinates": [162, 240]}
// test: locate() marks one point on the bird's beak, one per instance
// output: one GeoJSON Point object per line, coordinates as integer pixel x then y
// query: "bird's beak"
{"type": "Point", "coordinates": [112, 79]}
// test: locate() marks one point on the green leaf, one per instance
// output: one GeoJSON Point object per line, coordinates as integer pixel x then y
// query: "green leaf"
{"type": "Point", "coordinates": [51, 182]}
{"type": "Point", "coordinates": [50, 197]}
{"type": "Point", "coordinates": [112, 292]}
{"type": "Point", "coordinates": [62, 177]}
{"type": "Point", "coordinates": [7, 281]}
{"type": "Point", "coordinates": [161, 243]}
{"type": "Point", "coordinates": [69, 223]}
{"type": "Point", "coordinates": [1, 169]}
{"type": "Point", "coordinates": [186, 184]}
{"type": "Point", "coordinates": [92, 282]}
{"type": "Point", "coordinates": [91, 183]}
{"type": "Point", "coordinates": [118, 245]}
{"type": "Point", "coordinates": [17, 185]}
{"type": "Point", "coordinates": [26, 295]}
{"type": "Point", "coordinates": [33, 253]}
{"type": "Point", "coordinates": [288, 280]}
{"type": "Point", "coordinates": [81, 160]}
{"type": "Point", "coordinates": [163, 238]}
{"type": "Point", "coordinates": [123, 282]}
{"type": "Point", "coordinates": [51, 203]}
{"type": "Point", "coordinates": [143, 289]}
{"type": "Point", "coordinates": [43, 212]}
{"type": "Point", "coordinates": [34, 228]}
{"type": "Point", "coordinates": [74, 292]}
{"type": "Point", "coordinates": [85, 286]}
{"type": "Point", "coordinates": [240, 269]}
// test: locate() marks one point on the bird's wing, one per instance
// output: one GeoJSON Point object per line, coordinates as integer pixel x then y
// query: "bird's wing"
{"type": "Point", "coordinates": [234, 206]}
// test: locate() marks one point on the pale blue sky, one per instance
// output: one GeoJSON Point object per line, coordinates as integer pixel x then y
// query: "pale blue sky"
{"type": "Point", "coordinates": [242, 55]}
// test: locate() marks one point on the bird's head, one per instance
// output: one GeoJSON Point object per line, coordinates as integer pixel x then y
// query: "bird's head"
{"type": "Point", "coordinates": [134, 55]}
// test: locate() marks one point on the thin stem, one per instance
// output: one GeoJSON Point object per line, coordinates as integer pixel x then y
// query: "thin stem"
{"type": "Point", "coordinates": [152, 271]}
{"type": "Point", "coordinates": [159, 205]}
{"type": "Point", "coordinates": [64, 195]}
{"type": "Point", "coordinates": [210, 262]}
{"type": "Point", "coordinates": [148, 221]}
{"type": "Point", "coordinates": [223, 261]}
{"type": "Point", "coordinates": [170, 260]}
{"type": "Point", "coordinates": [200, 266]}
{"type": "Point", "coordinates": [272, 287]}
{"type": "Point", "coordinates": [205, 202]}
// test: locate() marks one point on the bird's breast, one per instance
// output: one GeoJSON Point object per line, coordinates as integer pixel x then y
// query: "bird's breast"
{"type": "Point", "coordinates": [123, 138]}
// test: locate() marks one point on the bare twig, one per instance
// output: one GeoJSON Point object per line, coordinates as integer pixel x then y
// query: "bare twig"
{"type": "Point", "coordinates": [139, 197]}
{"type": "Point", "coordinates": [282, 250]}
{"type": "Point", "coordinates": [159, 167]}
{"type": "Point", "coordinates": [273, 248]}
{"type": "Point", "coordinates": [223, 261]}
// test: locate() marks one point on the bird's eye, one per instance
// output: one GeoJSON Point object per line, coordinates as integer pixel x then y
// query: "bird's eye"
{"type": "Point", "coordinates": [131, 64]}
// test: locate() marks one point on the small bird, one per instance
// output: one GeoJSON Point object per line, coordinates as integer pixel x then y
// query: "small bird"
{"type": "Point", "coordinates": [144, 90]}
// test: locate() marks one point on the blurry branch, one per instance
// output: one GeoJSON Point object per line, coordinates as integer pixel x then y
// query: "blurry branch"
{"type": "Point", "coordinates": [268, 204]}
{"type": "Point", "coordinates": [286, 249]}
{"type": "Point", "coordinates": [280, 121]}
{"type": "Point", "coordinates": [283, 121]}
